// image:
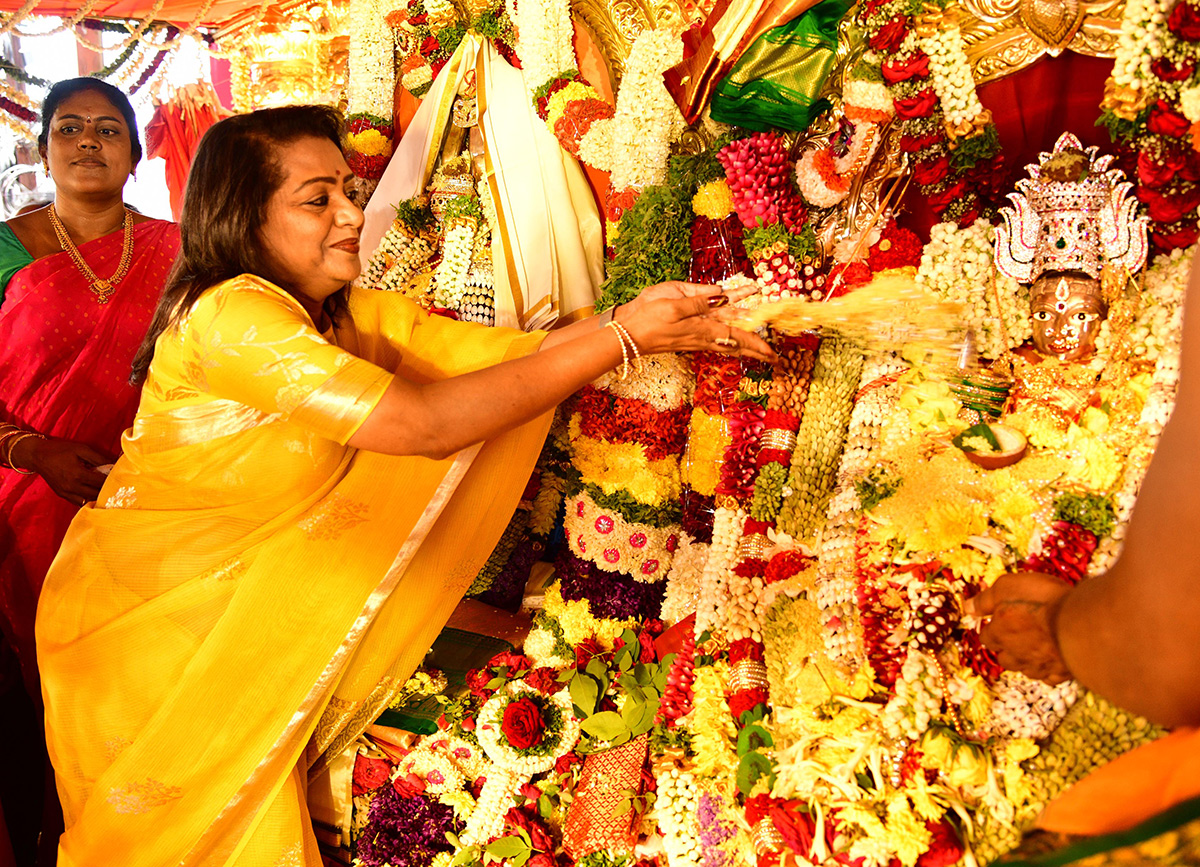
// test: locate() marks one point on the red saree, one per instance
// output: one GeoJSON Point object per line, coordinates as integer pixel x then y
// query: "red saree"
{"type": "Point", "coordinates": [64, 372]}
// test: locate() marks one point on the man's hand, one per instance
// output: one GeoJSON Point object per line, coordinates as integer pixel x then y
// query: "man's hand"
{"type": "Point", "coordinates": [1022, 608]}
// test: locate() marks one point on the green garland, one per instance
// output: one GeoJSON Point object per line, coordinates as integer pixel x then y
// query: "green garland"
{"type": "Point", "coordinates": [653, 245]}
{"type": "Point", "coordinates": [1090, 511]}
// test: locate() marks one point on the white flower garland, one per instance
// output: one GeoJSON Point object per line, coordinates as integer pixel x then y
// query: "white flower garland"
{"type": "Point", "coordinates": [491, 738]}
{"type": "Point", "coordinates": [603, 537]}
{"type": "Point", "coordinates": [676, 806]}
{"type": "Point", "coordinates": [372, 76]}
{"type": "Point", "coordinates": [727, 529]}
{"type": "Point", "coordinates": [950, 71]}
{"type": "Point", "coordinates": [1143, 31]}
{"type": "Point", "coordinates": [636, 143]}
{"type": "Point", "coordinates": [664, 381]}
{"type": "Point", "coordinates": [957, 265]}
{"type": "Point", "coordinates": [450, 276]}
{"type": "Point", "coordinates": [545, 39]}
{"type": "Point", "coordinates": [682, 595]}
{"type": "Point", "coordinates": [1027, 708]}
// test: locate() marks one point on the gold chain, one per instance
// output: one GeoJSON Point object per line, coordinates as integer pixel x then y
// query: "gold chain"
{"type": "Point", "coordinates": [101, 288]}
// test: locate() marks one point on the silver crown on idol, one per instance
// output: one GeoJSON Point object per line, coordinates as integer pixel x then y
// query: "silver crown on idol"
{"type": "Point", "coordinates": [1073, 213]}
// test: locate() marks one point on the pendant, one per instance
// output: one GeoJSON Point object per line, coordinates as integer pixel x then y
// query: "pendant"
{"type": "Point", "coordinates": [103, 290]}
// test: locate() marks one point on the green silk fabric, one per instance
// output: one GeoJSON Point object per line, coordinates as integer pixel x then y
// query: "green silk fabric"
{"type": "Point", "coordinates": [775, 84]}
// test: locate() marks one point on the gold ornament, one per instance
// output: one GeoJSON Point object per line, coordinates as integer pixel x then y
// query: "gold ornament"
{"type": "Point", "coordinates": [101, 288]}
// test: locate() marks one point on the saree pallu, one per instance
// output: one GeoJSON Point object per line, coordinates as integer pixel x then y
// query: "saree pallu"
{"type": "Point", "coordinates": [1142, 808]}
{"type": "Point", "coordinates": [64, 372]}
{"type": "Point", "coordinates": [248, 589]}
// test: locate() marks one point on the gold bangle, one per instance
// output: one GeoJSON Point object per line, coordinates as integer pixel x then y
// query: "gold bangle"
{"type": "Point", "coordinates": [4, 441]}
{"type": "Point", "coordinates": [624, 350]}
{"type": "Point", "coordinates": [24, 435]}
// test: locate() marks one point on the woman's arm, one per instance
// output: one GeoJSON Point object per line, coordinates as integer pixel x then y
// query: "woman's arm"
{"type": "Point", "coordinates": [440, 418]}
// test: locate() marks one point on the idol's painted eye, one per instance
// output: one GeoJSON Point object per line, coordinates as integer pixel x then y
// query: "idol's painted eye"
{"type": "Point", "coordinates": [1042, 316]}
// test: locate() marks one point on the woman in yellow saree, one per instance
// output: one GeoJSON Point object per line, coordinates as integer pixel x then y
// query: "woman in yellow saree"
{"type": "Point", "coordinates": [314, 476]}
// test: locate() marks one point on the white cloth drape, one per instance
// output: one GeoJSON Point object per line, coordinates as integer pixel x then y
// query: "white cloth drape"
{"type": "Point", "coordinates": [548, 252]}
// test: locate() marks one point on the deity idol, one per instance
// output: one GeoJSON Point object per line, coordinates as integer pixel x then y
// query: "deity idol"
{"type": "Point", "coordinates": [1073, 235]}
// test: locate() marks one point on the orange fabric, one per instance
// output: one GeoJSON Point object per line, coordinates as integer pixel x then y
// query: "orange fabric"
{"type": "Point", "coordinates": [404, 107]}
{"type": "Point", "coordinates": [1131, 789]}
{"type": "Point", "coordinates": [594, 68]}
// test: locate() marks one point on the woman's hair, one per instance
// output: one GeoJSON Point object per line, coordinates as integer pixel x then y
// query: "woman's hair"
{"type": "Point", "coordinates": [71, 86]}
{"type": "Point", "coordinates": [235, 172]}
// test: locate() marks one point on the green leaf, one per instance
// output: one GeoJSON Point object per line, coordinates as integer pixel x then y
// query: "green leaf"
{"type": "Point", "coordinates": [624, 807]}
{"type": "Point", "coordinates": [639, 717]}
{"type": "Point", "coordinates": [978, 430]}
{"type": "Point", "coordinates": [753, 737]}
{"type": "Point", "coordinates": [750, 769]}
{"type": "Point", "coordinates": [545, 807]}
{"type": "Point", "coordinates": [597, 669]}
{"type": "Point", "coordinates": [625, 658]}
{"type": "Point", "coordinates": [643, 674]}
{"type": "Point", "coordinates": [507, 847]}
{"type": "Point", "coordinates": [565, 675]}
{"type": "Point", "coordinates": [497, 682]}
{"type": "Point", "coordinates": [605, 725]}
{"type": "Point", "coordinates": [585, 692]}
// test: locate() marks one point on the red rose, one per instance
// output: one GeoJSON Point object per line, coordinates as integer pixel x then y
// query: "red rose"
{"type": "Point", "coordinates": [1175, 239]}
{"type": "Point", "coordinates": [586, 649]}
{"type": "Point", "coordinates": [514, 662]}
{"type": "Point", "coordinates": [784, 565]}
{"type": "Point", "coordinates": [477, 681]}
{"type": "Point", "coordinates": [746, 699]}
{"type": "Point", "coordinates": [797, 828]}
{"type": "Point", "coordinates": [888, 38]}
{"type": "Point", "coordinates": [1165, 70]}
{"type": "Point", "coordinates": [646, 643]}
{"type": "Point", "coordinates": [416, 20]}
{"type": "Point", "coordinates": [745, 648]}
{"type": "Point", "coordinates": [910, 144]}
{"type": "Point", "coordinates": [916, 66]}
{"type": "Point", "coordinates": [430, 45]}
{"type": "Point", "coordinates": [942, 199]}
{"type": "Point", "coordinates": [1185, 21]}
{"type": "Point", "coordinates": [409, 786]}
{"type": "Point", "coordinates": [564, 764]}
{"type": "Point", "coordinates": [541, 859]}
{"type": "Point", "coordinates": [969, 215]}
{"type": "Point", "coordinates": [468, 723]}
{"type": "Point", "coordinates": [944, 849]}
{"type": "Point", "coordinates": [1172, 207]}
{"type": "Point", "coordinates": [1158, 171]}
{"type": "Point", "coordinates": [921, 105]}
{"type": "Point", "coordinates": [523, 725]}
{"type": "Point", "coordinates": [1164, 120]}
{"type": "Point", "coordinates": [519, 820]}
{"type": "Point", "coordinates": [370, 774]}
{"type": "Point", "coordinates": [931, 171]}
{"type": "Point", "coordinates": [544, 680]}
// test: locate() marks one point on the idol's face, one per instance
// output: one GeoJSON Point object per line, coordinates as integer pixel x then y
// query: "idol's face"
{"type": "Point", "coordinates": [1067, 313]}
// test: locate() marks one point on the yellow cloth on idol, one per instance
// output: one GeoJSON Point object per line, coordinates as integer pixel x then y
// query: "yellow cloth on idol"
{"type": "Point", "coordinates": [248, 590]}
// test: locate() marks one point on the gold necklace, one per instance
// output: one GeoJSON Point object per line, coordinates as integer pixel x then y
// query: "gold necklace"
{"type": "Point", "coordinates": [101, 288]}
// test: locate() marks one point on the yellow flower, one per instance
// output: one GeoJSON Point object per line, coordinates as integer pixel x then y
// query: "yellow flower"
{"type": "Point", "coordinates": [907, 834]}
{"type": "Point", "coordinates": [1016, 785]}
{"type": "Point", "coordinates": [577, 623]}
{"type": "Point", "coordinates": [1094, 466]}
{"type": "Point", "coordinates": [713, 733]}
{"type": "Point", "coordinates": [922, 799]}
{"type": "Point", "coordinates": [967, 563]}
{"type": "Point", "coordinates": [713, 200]}
{"type": "Point", "coordinates": [948, 524]}
{"type": "Point", "coordinates": [709, 438]}
{"type": "Point", "coordinates": [1094, 420]}
{"type": "Point", "coordinates": [371, 143]}
{"type": "Point", "coordinates": [1015, 510]}
{"type": "Point", "coordinates": [624, 467]}
{"type": "Point", "coordinates": [1040, 430]}
{"type": "Point", "coordinates": [557, 103]}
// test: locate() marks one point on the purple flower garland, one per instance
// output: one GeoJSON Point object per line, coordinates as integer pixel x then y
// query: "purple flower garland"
{"type": "Point", "coordinates": [405, 832]}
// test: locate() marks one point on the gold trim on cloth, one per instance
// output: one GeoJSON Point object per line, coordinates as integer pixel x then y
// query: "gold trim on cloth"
{"type": "Point", "coordinates": [747, 674]}
{"type": "Point", "coordinates": [344, 400]}
{"type": "Point", "coordinates": [333, 732]}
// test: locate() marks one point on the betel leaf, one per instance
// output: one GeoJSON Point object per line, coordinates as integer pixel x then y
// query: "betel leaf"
{"type": "Point", "coordinates": [983, 431]}
{"type": "Point", "coordinates": [753, 737]}
{"type": "Point", "coordinates": [642, 719]}
{"type": "Point", "coordinates": [585, 692]}
{"type": "Point", "coordinates": [605, 725]}
{"type": "Point", "coordinates": [751, 768]}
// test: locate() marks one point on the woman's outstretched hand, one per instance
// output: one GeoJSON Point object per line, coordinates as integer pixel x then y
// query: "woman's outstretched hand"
{"type": "Point", "coordinates": [687, 317]}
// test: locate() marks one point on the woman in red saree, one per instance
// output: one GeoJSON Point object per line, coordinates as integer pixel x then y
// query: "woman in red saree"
{"type": "Point", "coordinates": [68, 332]}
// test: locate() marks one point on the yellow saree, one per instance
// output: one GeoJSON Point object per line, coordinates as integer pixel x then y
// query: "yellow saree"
{"type": "Point", "coordinates": [248, 590]}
